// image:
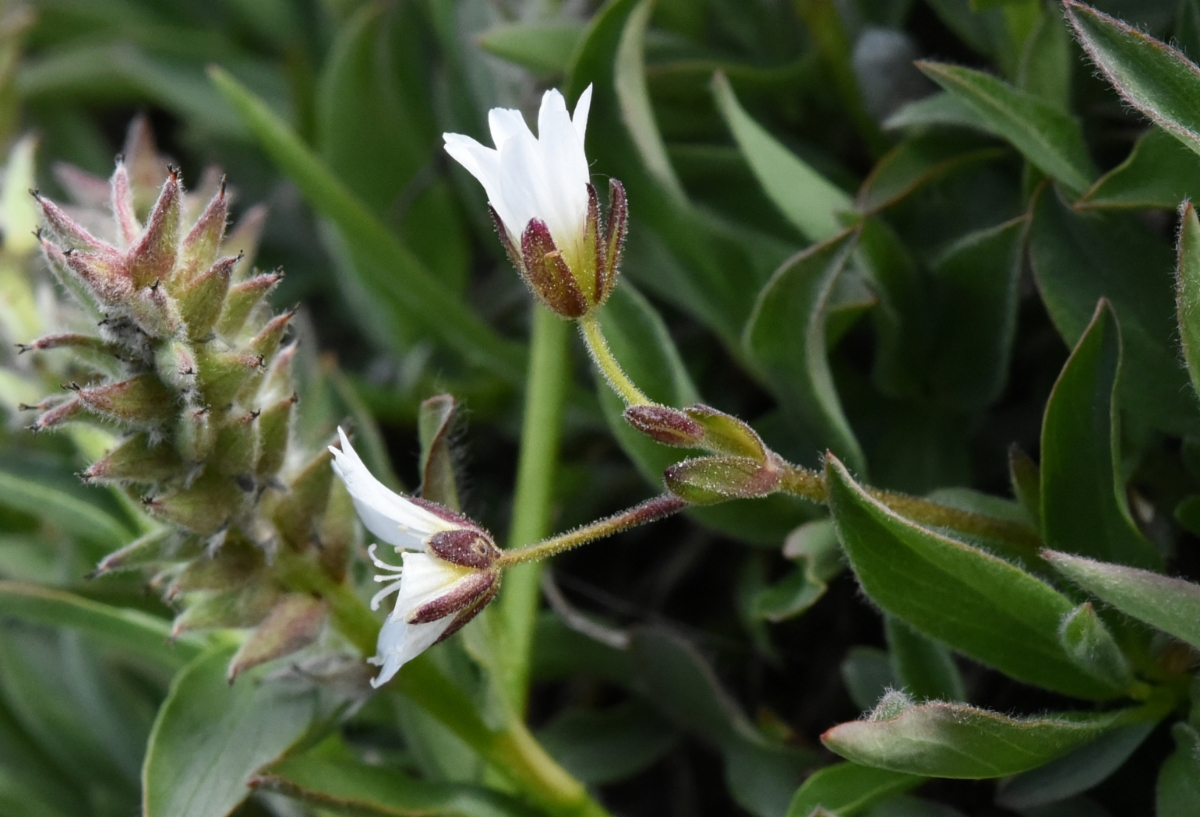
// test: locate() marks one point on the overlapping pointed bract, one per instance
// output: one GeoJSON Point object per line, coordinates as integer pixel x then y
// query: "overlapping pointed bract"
{"type": "Point", "coordinates": [194, 371]}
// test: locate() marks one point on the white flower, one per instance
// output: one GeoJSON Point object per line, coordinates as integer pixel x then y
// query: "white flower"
{"type": "Point", "coordinates": [545, 207]}
{"type": "Point", "coordinates": [448, 571]}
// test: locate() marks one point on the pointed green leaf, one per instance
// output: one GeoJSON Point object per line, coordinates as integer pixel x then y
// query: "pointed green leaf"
{"type": "Point", "coordinates": [1084, 509]}
{"type": "Point", "coordinates": [341, 783]}
{"type": "Point", "coordinates": [1178, 793]}
{"type": "Point", "coordinates": [786, 335]}
{"type": "Point", "coordinates": [210, 737]}
{"type": "Point", "coordinates": [959, 741]}
{"type": "Point", "coordinates": [543, 48]}
{"type": "Point", "coordinates": [1187, 290]}
{"type": "Point", "coordinates": [435, 424]}
{"type": "Point", "coordinates": [847, 789]}
{"type": "Point", "coordinates": [118, 627]}
{"type": "Point", "coordinates": [809, 201]}
{"type": "Point", "coordinates": [1048, 138]}
{"type": "Point", "coordinates": [1171, 605]}
{"type": "Point", "coordinates": [1079, 258]}
{"type": "Point", "coordinates": [916, 162]}
{"type": "Point", "coordinates": [976, 279]}
{"type": "Point", "coordinates": [1159, 173]}
{"type": "Point", "coordinates": [23, 492]}
{"type": "Point", "coordinates": [977, 603]}
{"type": "Point", "coordinates": [924, 668]}
{"type": "Point", "coordinates": [1075, 772]}
{"type": "Point", "coordinates": [1153, 77]}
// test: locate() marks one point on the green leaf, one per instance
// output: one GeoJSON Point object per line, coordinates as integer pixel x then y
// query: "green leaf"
{"type": "Point", "coordinates": [976, 283]}
{"type": "Point", "coordinates": [342, 784]}
{"type": "Point", "coordinates": [23, 492]}
{"type": "Point", "coordinates": [1152, 77]}
{"type": "Point", "coordinates": [375, 130]}
{"type": "Point", "coordinates": [962, 742]}
{"type": "Point", "coordinates": [1046, 62]}
{"type": "Point", "coordinates": [1187, 290]}
{"type": "Point", "coordinates": [1075, 772]}
{"type": "Point", "coordinates": [867, 673]}
{"type": "Point", "coordinates": [1158, 173]}
{"type": "Point", "coordinates": [1084, 509]}
{"type": "Point", "coordinates": [761, 774]}
{"type": "Point", "coordinates": [916, 162]}
{"type": "Point", "coordinates": [435, 424]}
{"type": "Point", "coordinates": [786, 336]}
{"type": "Point", "coordinates": [971, 600]}
{"type": "Point", "coordinates": [600, 747]}
{"type": "Point", "coordinates": [804, 196]}
{"type": "Point", "coordinates": [406, 289]}
{"type": "Point", "coordinates": [1079, 258]}
{"type": "Point", "coordinates": [210, 737]}
{"type": "Point", "coordinates": [1171, 605]}
{"type": "Point", "coordinates": [1178, 793]}
{"type": "Point", "coordinates": [1026, 478]}
{"type": "Point", "coordinates": [1088, 641]}
{"type": "Point", "coordinates": [139, 633]}
{"type": "Point", "coordinates": [924, 668]}
{"type": "Point", "coordinates": [629, 79]}
{"type": "Point", "coordinates": [815, 548]}
{"type": "Point", "coordinates": [545, 48]}
{"type": "Point", "coordinates": [941, 108]}
{"type": "Point", "coordinates": [847, 789]}
{"type": "Point", "coordinates": [1050, 139]}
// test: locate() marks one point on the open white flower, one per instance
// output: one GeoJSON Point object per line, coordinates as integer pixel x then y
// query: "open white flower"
{"type": "Point", "coordinates": [545, 208]}
{"type": "Point", "coordinates": [449, 569]}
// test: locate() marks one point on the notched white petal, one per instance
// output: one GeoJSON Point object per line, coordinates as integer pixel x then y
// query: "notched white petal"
{"type": "Point", "coordinates": [385, 513]}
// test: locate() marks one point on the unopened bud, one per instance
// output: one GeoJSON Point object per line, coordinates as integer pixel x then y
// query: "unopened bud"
{"type": "Point", "coordinates": [202, 243]}
{"type": "Point", "coordinates": [237, 446]}
{"type": "Point", "coordinates": [274, 425]}
{"type": "Point", "coordinates": [1092, 648]}
{"type": "Point", "coordinates": [221, 376]}
{"type": "Point", "coordinates": [155, 548]}
{"type": "Point", "coordinates": [140, 402]}
{"type": "Point", "coordinates": [235, 564]}
{"type": "Point", "coordinates": [152, 258]}
{"type": "Point", "coordinates": [58, 414]}
{"type": "Point", "coordinates": [201, 298]}
{"type": "Point", "coordinates": [242, 299]}
{"type": "Point", "coordinates": [175, 362]}
{"type": "Point", "coordinates": [666, 425]}
{"type": "Point", "coordinates": [233, 608]}
{"type": "Point", "coordinates": [293, 623]}
{"type": "Point", "coordinates": [726, 434]}
{"type": "Point", "coordinates": [140, 458]}
{"type": "Point", "coordinates": [204, 507]}
{"type": "Point", "coordinates": [304, 502]}
{"type": "Point", "coordinates": [195, 434]}
{"type": "Point", "coordinates": [705, 480]}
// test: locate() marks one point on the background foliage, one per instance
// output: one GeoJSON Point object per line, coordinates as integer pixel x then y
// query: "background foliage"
{"type": "Point", "coordinates": [1008, 327]}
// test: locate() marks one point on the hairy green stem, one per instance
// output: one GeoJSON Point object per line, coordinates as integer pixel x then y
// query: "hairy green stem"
{"type": "Point", "coordinates": [512, 750]}
{"type": "Point", "coordinates": [649, 511]}
{"type": "Point", "coordinates": [545, 396]}
{"type": "Point", "coordinates": [602, 356]}
{"type": "Point", "coordinates": [810, 485]}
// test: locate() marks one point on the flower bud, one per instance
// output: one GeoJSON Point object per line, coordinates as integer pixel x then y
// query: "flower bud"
{"type": "Point", "coordinates": [698, 426]}
{"type": "Point", "coordinates": [140, 458]}
{"type": "Point", "coordinates": [449, 566]}
{"type": "Point", "coordinates": [202, 298]}
{"type": "Point", "coordinates": [705, 480]}
{"type": "Point", "coordinates": [242, 299]}
{"type": "Point", "coordinates": [139, 402]}
{"type": "Point", "coordinates": [545, 209]}
{"type": "Point", "coordinates": [294, 623]}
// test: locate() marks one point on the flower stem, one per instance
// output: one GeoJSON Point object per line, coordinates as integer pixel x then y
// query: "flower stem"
{"type": "Point", "coordinates": [512, 750]}
{"type": "Point", "coordinates": [597, 347]}
{"type": "Point", "coordinates": [649, 511]}
{"type": "Point", "coordinates": [810, 485]}
{"type": "Point", "coordinates": [546, 388]}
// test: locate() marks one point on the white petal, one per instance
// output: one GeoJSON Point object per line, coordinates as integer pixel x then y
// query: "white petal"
{"type": "Point", "coordinates": [505, 124]}
{"type": "Point", "coordinates": [484, 164]}
{"type": "Point", "coordinates": [424, 579]}
{"type": "Point", "coordinates": [400, 642]}
{"type": "Point", "coordinates": [582, 106]}
{"type": "Point", "coordinates": [566, 173]}
{"type": "Point", "coordinates": [385, 513]}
